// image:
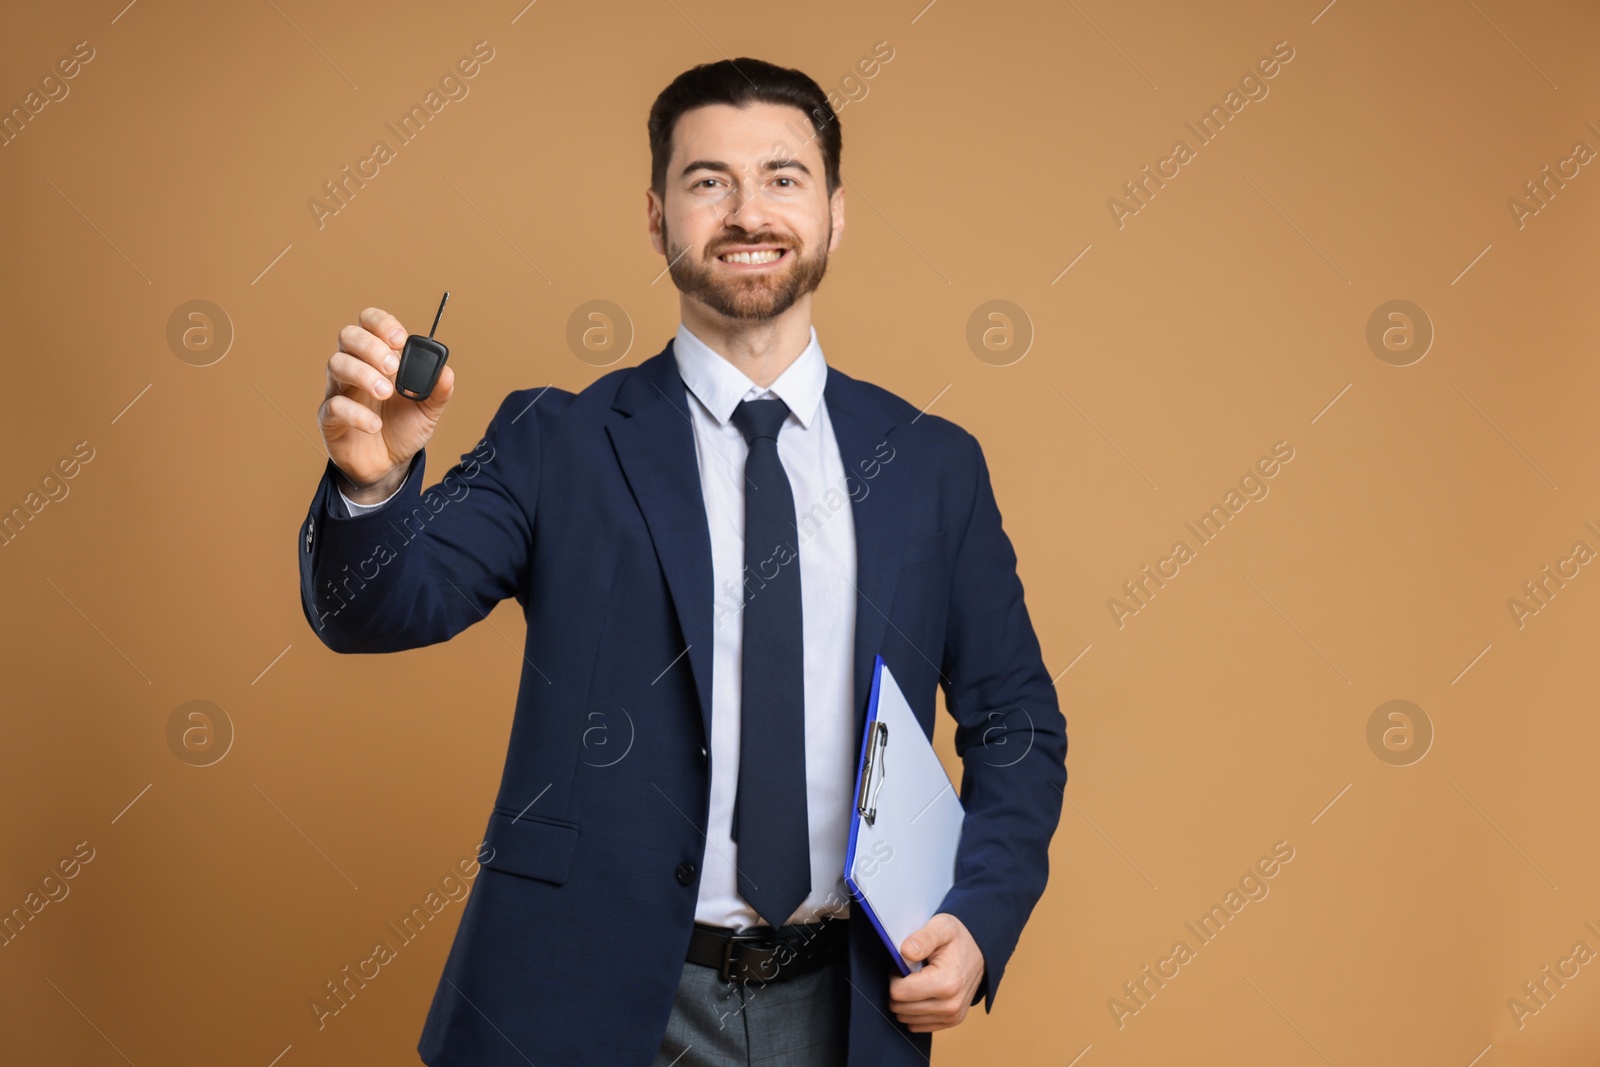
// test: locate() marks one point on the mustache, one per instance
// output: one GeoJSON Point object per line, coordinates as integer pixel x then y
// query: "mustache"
{"type": "Point", "coordinates": [757, 239]}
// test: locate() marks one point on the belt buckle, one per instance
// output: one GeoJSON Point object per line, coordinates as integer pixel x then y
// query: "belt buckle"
{"type": "Point", "coordinates": [725, 969]}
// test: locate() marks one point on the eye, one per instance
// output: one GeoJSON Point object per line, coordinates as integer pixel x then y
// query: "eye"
{"type": "Point", "coordinates": [790, 180]}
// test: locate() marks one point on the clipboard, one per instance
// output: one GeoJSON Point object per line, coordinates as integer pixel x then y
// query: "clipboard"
{"type": "Point", "coordinates": [906, 824]}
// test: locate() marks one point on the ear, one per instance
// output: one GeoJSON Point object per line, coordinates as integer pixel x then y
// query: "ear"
{"type": "Point", "coordinates": [653, 215]}
{"type": "Point", "coordinates": [836, 209]}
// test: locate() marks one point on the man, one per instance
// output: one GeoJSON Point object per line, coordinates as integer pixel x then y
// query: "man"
{"type": "Point", "coordinates": [709, 548]}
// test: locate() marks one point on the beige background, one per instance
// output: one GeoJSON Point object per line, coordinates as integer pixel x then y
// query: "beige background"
{"type": "Point", "coordinates": [1229, 314]}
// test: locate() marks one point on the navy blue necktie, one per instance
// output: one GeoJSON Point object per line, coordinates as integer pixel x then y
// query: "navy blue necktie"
{"type": "Point", "coordinates": [769, 815]}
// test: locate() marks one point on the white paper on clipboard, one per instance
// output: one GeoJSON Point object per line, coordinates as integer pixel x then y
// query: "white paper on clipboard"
{"type": "Point", "coordinates": [906, 824]}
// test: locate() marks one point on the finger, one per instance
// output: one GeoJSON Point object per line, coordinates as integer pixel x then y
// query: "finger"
{"type": "Point", "coordinates": [385, 326]}
{"type": "Point", "coordinates": [347, 371]}
{"type": "Point", "coordinates": [443, 390]}
{"type": "Point", "coordinates": [340, 413]}
{"type": "Point", "coordinates": [364, 344]}
{"type": "Point", "coordinates": [923, 943]}
{"type": "Point", "coordinates": [937, 988]}
{"type": "Point", "coordinates": [941, 1011]}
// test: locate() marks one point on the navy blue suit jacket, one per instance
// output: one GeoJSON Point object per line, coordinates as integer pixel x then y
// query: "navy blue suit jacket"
{"type": "Point", "coordinates": [587, 509]}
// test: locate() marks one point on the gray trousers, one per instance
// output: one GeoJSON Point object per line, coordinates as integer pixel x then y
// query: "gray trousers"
{"type": "Point", "coordinates": [798, 1022]}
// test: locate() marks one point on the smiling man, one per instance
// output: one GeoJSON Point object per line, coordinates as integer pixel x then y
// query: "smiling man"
{"type": "Point", "coordinates": [709, 549]}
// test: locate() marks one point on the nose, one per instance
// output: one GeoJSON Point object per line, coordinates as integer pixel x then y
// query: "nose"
{"type": "Point", "coordinates": [745, 208]}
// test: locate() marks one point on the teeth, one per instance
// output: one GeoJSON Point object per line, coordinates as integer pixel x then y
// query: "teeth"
{"type": "Point", "coordinates": [764, 256]}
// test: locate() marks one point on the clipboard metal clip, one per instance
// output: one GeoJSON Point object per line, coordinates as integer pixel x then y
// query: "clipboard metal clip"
{"type": "Point", "coordinates": [872, 773]}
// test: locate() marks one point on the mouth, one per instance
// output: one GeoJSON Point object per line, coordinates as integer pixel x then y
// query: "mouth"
{"type": "Point", "coordinates": [744, 259]}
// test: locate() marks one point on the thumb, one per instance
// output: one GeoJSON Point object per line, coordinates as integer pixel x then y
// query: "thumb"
{"type": "Point", "coordinates": [920, 945]}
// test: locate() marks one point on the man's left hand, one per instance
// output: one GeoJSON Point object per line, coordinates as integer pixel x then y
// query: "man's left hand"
{"type": "Point", "coordinates": [937, 996]}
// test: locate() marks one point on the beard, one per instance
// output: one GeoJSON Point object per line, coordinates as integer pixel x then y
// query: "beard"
{"type": "Point", "coordinates": [753, 296]}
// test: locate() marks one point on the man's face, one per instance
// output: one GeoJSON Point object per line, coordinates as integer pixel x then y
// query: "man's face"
{"type": "Point", "coordinates": [741, 181]}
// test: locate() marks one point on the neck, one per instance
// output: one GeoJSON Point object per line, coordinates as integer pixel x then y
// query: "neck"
{"type": "Point", "coordinates": [761, 348]}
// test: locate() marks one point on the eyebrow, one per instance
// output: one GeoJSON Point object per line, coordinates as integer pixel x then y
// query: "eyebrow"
{"type": "Point", "coordinates": [768, 165]}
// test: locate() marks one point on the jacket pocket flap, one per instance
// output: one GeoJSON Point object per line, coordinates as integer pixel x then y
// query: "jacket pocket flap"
{"type": "Point", "coordinates": [531, 846]}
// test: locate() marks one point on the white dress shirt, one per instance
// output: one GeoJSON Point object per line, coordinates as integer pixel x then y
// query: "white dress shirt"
{"type": "Point", "coordinates": [827, 545]}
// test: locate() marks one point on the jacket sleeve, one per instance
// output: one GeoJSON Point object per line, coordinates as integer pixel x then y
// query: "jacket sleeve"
{"type": "Point", "coordinates": [1010, 735]}
{"type": "Point", "coordinates": [427, 563]}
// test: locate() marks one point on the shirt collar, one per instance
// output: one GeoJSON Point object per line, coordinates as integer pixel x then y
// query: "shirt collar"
{"type": "Point", "coordinates": [720, 385]}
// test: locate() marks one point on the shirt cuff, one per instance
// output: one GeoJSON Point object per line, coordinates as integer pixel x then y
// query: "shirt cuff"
{"type": "Point", "coordinates": [362, 509]}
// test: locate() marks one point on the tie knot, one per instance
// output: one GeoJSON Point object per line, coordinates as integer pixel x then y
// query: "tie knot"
{"type": "Point", "coordinates": [760, 418]}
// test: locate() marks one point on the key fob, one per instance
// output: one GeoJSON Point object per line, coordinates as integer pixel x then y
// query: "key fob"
{"type": "Point", "coordinates": [420, 363]}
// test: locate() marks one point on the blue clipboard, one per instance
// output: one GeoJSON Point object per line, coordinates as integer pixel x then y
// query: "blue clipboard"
{"type": "Point", "coordinates": [906, 823]}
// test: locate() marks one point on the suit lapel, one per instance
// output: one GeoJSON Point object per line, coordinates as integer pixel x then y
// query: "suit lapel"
{"type": "Point", "coordinates": [654, 442]}
{"type": "Point", "coordinates": [862, 424]}
{"type": "Point", "coordinates": [655, 445]}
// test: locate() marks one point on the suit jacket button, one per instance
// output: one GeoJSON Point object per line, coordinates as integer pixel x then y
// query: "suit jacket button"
{"type": "Point", "coordinates": [702, 753]}
{"type": "Point", "coordinates": [685, 873]}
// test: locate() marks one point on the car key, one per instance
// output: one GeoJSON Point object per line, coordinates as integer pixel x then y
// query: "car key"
{"type": "Point", "coordinates": [421, 361]}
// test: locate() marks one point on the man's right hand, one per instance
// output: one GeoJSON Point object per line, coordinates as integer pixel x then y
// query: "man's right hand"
{"type": "Point", "coordinates": [371, 432]}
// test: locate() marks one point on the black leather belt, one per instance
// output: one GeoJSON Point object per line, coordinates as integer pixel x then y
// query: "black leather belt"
{"type": "Point", "coordinates": [764, 954]}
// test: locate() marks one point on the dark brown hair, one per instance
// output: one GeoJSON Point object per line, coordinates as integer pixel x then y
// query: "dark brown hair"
{"type": "Point", "coordinates": [739, 82]}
